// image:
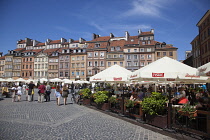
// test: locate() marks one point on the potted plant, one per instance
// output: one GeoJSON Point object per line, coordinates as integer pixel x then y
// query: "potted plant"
{"type": "Point", "coordinates": [188, 110]}
{"type": "Point", "coordinates": [85, 93]}
{"type": "Point", "coordinates": [101, 98]}
{"type": "Point", "coordinates": [154, 108]}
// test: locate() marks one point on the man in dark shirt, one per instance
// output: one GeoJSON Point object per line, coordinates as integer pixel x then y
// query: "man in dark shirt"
{"type": "Point", "coordinates": [31, 91]}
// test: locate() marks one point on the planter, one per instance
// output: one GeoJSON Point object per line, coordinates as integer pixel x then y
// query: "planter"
{"type": "Point", "coordinates": [157, 120]}
{"type": "Point", "coordinates": [188, 114]}
{"type": "Point", "coordinates": [104, 106]}
{"type": "Point", "coordinates": [86, 102]}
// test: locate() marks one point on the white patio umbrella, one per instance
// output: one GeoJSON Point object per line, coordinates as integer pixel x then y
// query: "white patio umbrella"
{"type": "Point", "coordinates": [1, 79]}
{"type": "Point", "coordinates": [56, 80]}
{"type": "Point", "coordinates": [163, 69]}
{"type": "Point", "coordinates": [20, 80]}
{"type": "Point", "coordinates": [114, 73]}
{"type": "Point", "coordinates": [29, 80]}
{"type": "Point", "coordinates": [204, 70]}
{"type": "Point", "coordinates": [10, 80]}
{"type": "Point", "coordinates": [43, 80]}
{"type": "Point", "coordinates": [67, 81]}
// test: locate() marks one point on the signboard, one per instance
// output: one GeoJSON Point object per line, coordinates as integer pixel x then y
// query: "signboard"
{"type": "Point", "coordinates": [157, 74]}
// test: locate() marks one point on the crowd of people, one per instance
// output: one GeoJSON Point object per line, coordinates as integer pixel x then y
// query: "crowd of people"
{"type": "Point", "coordinates": [44, 91]}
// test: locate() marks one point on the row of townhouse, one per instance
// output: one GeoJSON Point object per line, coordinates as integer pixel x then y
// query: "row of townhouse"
{"type": "Point", "coordinates": [81, 59]}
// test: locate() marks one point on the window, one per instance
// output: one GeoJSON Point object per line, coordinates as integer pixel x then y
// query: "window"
{"type": "Point", "coordinates": [118, 48]}
{"type": "Point", "coordinates": [135, 63]}
{"type": "Point", "coordinates": [149, 49]}
{"type": "Point", "coordinates": [89, 63]}
{"type": "Point", "coordinates": [89, 54]}
{"type": "Point", "coordinates": [73, 65]}
{"type": "Point", "coordinates": [115, 56]}
{"type": "Point", "coordinates": [72, 58]}
{"type": "Point", "coordinates": [149, 56]}
{"type": "Point", "coordinates": [102, 63]}
{"type": "Point", "coordinates": [129, 50]}
{"type": "Point", "coordinates": [66, 74]}
{"type": "Point", "coordinates": [143, 43]}
{"type": "Point", "coordinates": [96, 63]}
{"type": "Point", "coordinates": [141, 49]}
{"type": "Point", "coordinates": [109, 56]}
{"type": "Point", "coordinates": [141, 64]}
{"type": "Point", "coordinates": [97, 45]}
{"type": "Point", "coordinates": [109, 64]}
{"type": "Point", "coordinates": [61, 74]}
{"type": "Point", "coordinates": [82, 73]}
{"type": "Point", "coordinates": [158, 53]}
{"type": "Point", "coordinates": [121, 63]}
{"type": "Point", "coordinates": [101, 54]}
{"type": "Point", "coordinates": [112, 48]}
{"type": "Point", "coordinates": [142, 56]}
{"type": "Point", "coordinates": [164, 53]}
{"type": "Point", "coordinates": [128, 64]}
{"type": "Point", "coordinates": [77, 73]}
{"type": "Point", "coordinates": [89, 72]}
{"type": "Point", "coordinates": [135, 57]}
{"type": "Point", "coordinates": [96, 54]}
{"type": "Point", "coordinates": [83, 57]}
{"type": "Point", "coordinates": [121, 56]}
{"type": "Point", "coordinates": [72, 73]}
{"type": "Point", "coordinates": [128, 56]}
{"type": "Point", "coordinates": [115, 63]}
{"type": "Point", "coordinates": [135, 50]}
{"type": "Point", "coordinates": [78, 58]}
{"type": "Point", "coordinates": [148, 42]}
{"type": "Point", "coordinates": [170, 53]}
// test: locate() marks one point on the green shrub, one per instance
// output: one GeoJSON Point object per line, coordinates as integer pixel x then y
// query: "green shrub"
{"type": "Point", "coordinates": [113, 100]}
{"type": "Point", "coordinates": [85, 93]}
{"type": "Point", "coordinates": [129, 103]}
{"type": "Point", "coordinates": [100, 97]}
{"type": "Point", "coordinates": [154, 104]}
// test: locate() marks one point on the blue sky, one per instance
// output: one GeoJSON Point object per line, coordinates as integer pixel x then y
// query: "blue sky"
{"type": "Point", "coordinates": [174, 21]}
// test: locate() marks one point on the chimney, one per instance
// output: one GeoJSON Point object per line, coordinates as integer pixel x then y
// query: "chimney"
{"type": "Point", "coordinates": [95, 36]}
{"type": "Point", "coordinates": [127, 35]}
{"type": "Point", "coordinates": [111, 35]}
{"type": "Point", "coordinates": [63, 40]}
{"type": "Point", "coordinates": [35, 42]}
{"type": "Point", "coordinates": [81, 40]}
{"type": "Point", "coordinates": [1, 54]}
{"type": "Point", "coordinates": [71, 40]}
{"type": "Point", "coordinates": [139, 31]}
{"type": "Point", "coordinates": [152, 31]}
{"type": "Point", "coordinates": [48, 40]}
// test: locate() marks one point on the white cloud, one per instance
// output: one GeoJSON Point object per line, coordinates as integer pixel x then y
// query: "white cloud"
{"type": "Point", "coordinates": [146, 7]}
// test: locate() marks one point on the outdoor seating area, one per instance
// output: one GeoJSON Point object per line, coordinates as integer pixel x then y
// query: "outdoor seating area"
{"type": "Point", "coordinates": [166, 94]}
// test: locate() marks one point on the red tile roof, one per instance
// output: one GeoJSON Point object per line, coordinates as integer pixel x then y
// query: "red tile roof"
{"type": "Point", "coordinates": [50, 51]}
{"type": "Point", "coordinates": [116, 43]}
{"type": "Point", "coordinates": [2, 58]}
{"type": "Point", "coordinates": [55, 42]}
{"type": "Point", "coordinates": [146, 33]}
{"type": "Point", "coordinates": [102, 45]}
{"type": "Point", "coordinates": [132, 40]}
{"type": "Point", "coordinates": [19, 49]}
{"type": "Point", "coordinates": [103, 38]}
{"type": "Point", "coordinates": [40, 44]}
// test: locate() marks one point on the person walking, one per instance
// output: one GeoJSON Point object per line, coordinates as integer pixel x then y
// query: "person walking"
{"type": "Point", "coordinates": [57, 94]}
{"type": "Point", "coordinates": [25, 92]}
{"type": "Point", "coordinates": [14, 92]}
{"type": "Point", "coordinates": [31, 91]}
{"type": "Point", "coordinates": [41, 93]}
{"type": "Point", "coordinates": [65, 93]}
{"type": "Point", "coordinates": [19, 93]}
{"type": "Point", "coordinates": [48, 92]}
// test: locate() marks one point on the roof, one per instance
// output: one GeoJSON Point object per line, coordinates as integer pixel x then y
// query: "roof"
{"type": "Point", "coordinates": [116, 43]}
{"type": "Point", "coordinates": [203, 18]}
{"type": "Point", "coordinates": [55, 42]}
{"type": "Point", "coordinates": [19, 49]}
{"type": "Point", "coordinates": [147, 33]}
{"type": "Point", "coordinates": [2, 58]}
{"type": "Point", "coordinates": [50, 51]}
{"type": "Point", "coordinates": [102, 45]}
{"type": "Point", "coordinates": [103, 38]}
{"type": "Point", "coordinates": [40, 44]}
{"type": "Point", "coordinates": [21, 41]}
{"type": "Point", "coordinates": [132, 40]}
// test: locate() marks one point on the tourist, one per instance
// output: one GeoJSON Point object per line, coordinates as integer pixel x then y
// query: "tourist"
{"type": "Point", "coordinates": [57, 94]}
{"type": "Point", "coordinates": [19, 93]}
{"type": "Point", "coordinates": [48, 92]}
{"type": "Point", "coordinates": [65, 93]}
{"type": "Point", "coordinates": [14, 92]}
{"type": "Point", "coordinates": [41, 93]}
{"type": "Point", "coordinates": [31, 91]}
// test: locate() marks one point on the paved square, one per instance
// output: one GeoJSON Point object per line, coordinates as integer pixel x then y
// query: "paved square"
{"type": "Point", "coordinates": [32, 120]}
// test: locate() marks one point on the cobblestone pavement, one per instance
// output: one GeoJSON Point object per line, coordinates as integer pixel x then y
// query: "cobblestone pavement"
{"type": "Point", "coordinates": [32, 120]}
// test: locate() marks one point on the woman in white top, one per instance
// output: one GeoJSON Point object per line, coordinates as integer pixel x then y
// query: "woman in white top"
{"type": "Point", "coordinates": [14, 90]}
{"type": "Point", "coordinates": [19, 92]}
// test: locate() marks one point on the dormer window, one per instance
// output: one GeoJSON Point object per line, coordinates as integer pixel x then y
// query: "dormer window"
{"type": "Point", "coordinates": [74, 51]}
{"type": "Point", "coordinates": [157, 45]}
{"type": "Point", "coordinates": [112, 48]}
{"type": "Point", "coordinates": [118, 48]}
{"type": "Point", "coordinates": [163, 45]}
{"type": "Point", "coordinates": [97, 45]}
